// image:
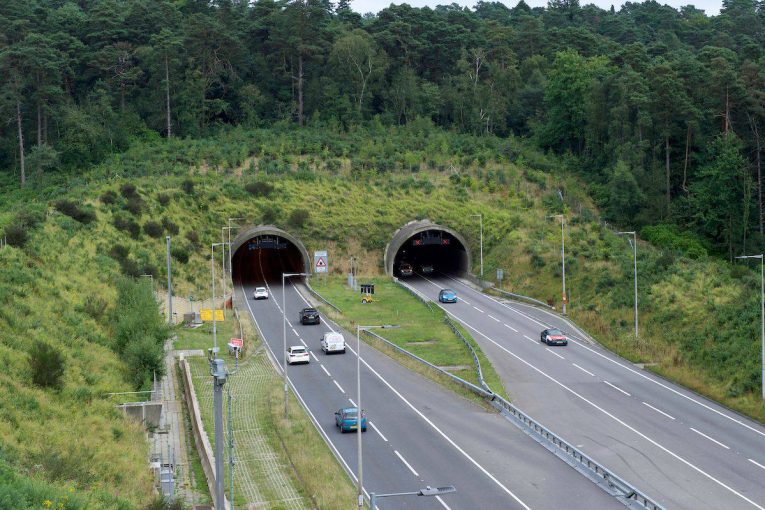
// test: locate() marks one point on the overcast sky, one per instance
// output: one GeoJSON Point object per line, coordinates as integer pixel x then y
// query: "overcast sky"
{"type": "Point", "coordinates": [711, 7]}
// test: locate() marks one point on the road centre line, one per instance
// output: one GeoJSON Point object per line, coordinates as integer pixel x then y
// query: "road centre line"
{"type": "Point", "coordinates": [711, 439]}
{"type": "Point", "coordinates": [616, 362]}
{"type": "Point", "coordinates": [553, 352]}
{"type": "Point", "coordinates": [583, 370]}
{"type": "Point", "coordinates": [756, 463]}
{"type": "Point", "coordinates": [406, 463]}
{"type": "Point", "coordinates": [659, 411]}
{"type": "Point", "coordinates": [616, 388]}
{"type": "Point", "coordinates": [325, 369]}
{"type": "Point", "coordinates": [374, 427]}
{"type": "Point", "coordinates": [338, 386]}
{"type": "Point", "coordinates": [615, 418]}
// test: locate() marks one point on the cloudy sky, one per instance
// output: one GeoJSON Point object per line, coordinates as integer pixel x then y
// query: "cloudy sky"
{"type": "Point", "coordinates": [711, 7]}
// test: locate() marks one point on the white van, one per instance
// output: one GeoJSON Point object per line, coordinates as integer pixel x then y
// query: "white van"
{"type": "Point", "coordinates": [332, 342]}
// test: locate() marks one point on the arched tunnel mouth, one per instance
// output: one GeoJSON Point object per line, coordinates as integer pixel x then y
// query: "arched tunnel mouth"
{"type": "Point", "coordinates": [433, 250]}
{"type": "Point", "coordinates": [262, 257]}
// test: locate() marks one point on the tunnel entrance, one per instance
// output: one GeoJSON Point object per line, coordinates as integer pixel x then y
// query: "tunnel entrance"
{"type": "Point", "coordinates": [261, 254]}
{"type": "Point", "coordinates": [427, 247]}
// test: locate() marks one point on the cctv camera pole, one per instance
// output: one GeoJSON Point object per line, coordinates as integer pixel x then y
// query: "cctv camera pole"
{"type": "Point", "coordinates": [169, 286]}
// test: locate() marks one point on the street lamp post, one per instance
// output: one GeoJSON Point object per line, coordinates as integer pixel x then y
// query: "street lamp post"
{"type": "Point", "coordinates": [480, 217]}
{"type": "Point", "coordinates": [359, 415]}
{"type": "Point", "coordinates": [230, 267]}
{"type": "Point", "coordinates": [762, 312]}
{"type": "Point", "coordinates": [633, 242]}
{"type": "Point", "coordinates": [212, 271]}
{"type": "Point", "coordinates": [562, 255]}
{"type": "Point", "coordinates": [284, 336]}
{"type": "Point", "coordinates": [427, 491]}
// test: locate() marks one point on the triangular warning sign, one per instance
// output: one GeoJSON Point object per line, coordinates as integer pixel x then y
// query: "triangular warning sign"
{"type": "Point", "coordinates": [321, 263]}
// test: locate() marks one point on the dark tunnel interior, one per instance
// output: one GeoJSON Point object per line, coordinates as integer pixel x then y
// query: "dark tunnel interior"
{"type": "Point", "coordinates": [264, 258]}
{"type": "Point", "coordinates": [435, 248]}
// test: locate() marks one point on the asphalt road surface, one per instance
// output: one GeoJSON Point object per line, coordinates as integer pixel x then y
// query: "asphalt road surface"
{"type": "Point", "coordinates": [419, 433]}
{"type": "Point", "coordinates": [681, 449]}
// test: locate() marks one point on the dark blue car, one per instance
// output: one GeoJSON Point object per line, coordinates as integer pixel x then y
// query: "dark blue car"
{"type": "Point", "coordinates": [347, 419]}
{"type": "Point", "coordinates": [447, 296]}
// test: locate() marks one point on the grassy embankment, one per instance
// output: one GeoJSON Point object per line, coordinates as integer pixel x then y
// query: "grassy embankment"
{"type": "Point", "coordinates": [422, 330]}
{"type": "Point", "coordinates": [698, 316]}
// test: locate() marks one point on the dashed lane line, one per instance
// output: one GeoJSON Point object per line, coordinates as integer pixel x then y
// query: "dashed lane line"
{"type": "Point", "coordinates": [406, 463]}
{"type": "Point", "coordinates": [658, 410]}
{"type": "Point", "coordinates": [510, 328]}
{"type": "Point", "coordinates": [339, 387]}
{"type": "Point", "coordinates": [374, 427]}
{"type": "Point", "coordinates": [554, 353]}
{"type": "Point", "coordinates": [617, 388]}
{"type": "Point", "coordinates": [325, 369]}
{"type": "Point", "coordinates": [583, 370]}
{"type": "Point", "coordinates": [491, 316]}
{"type": "Point", "coordinates": [710, 438]}
{"type": "Point", "coordinates": [756, 463]}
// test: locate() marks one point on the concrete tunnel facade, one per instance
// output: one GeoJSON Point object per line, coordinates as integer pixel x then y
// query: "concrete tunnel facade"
{"type": "Point", "coordinates": [264, 252]}
{"type": "Point", "coordinates": [423, 242]}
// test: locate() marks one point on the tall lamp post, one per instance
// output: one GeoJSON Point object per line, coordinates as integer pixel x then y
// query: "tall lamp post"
{"type": "Point", "coordinates": [562, 255]}
{"type": "Point", "coordinates": [762, 312]}
{"type": "Point", "coordinates": [359, 415]}
{"type": "Point", "coordinates": [284, 337]}
{"type": "Point", "coordinates": [633, 242]}
{"type": "Point", "coordinates": [427, 491]}
{"type": "Point", "coordinates": [212, 271]}
{"type": "Point", "coordinates": [480, 217]}
{"type": "Point", "coordinates": [230, 267]}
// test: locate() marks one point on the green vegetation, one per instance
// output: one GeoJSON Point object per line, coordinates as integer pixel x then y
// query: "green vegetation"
{"type": "Point", "coordinates": [422, 331]}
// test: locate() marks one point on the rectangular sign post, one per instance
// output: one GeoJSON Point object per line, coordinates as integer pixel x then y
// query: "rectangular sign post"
{"type": "Point", "coordinates": [206, 314]}
{"type": "Point", "coordinates": [320, 262]}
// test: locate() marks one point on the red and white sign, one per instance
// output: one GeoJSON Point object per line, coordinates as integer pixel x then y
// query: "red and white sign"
{"type": "Point", "coordinates": [236, 342]}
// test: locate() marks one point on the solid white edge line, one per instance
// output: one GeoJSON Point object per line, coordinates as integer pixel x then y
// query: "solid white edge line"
{"type": "Point", "coordinates": [438, 498]}
{"type": "Point", "coordinates": [491, 316]}
{"type": "Point", "coordinates": [415, 473]}
{"type": "Point", "coordinates": [659, 411]}
{"type": "Point", "coordinates": [616, 362]}
{"type": "Point", "coordinates": [325, 369]}
{"type": "Point", "coordinates": [583, 369]}
{"type": "Point", "coordinates": [756, 463]}
{"type": "Point", "coordinates": [554, 353]}
{"type": "Point", "coordinates": [339, 387]}
{"type": "Point", "coordinates": [615, 418]}
{"type": "Point", "coordinates": [374, 427]}
{"type": "Point", "coordinates": [616, 388]}
{"type": "Point", "coordinates": [510, 327]}
{"type": "Point", "coordinates": [711, 439]}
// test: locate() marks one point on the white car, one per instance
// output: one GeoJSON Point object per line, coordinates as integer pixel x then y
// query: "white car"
{"type": "Point", "coordinates": [260, 293]}
{"type": "Point", "coordinates": [297, 354]}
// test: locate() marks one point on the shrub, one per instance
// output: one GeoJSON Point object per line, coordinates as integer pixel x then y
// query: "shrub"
{"type": "Point", "coordinates": [259, 188]}
{"type": "Point", "coordinates": [188, 186]}
{"type": "Point", "coordinates": [73, 210]}
{"type": "Point", "coordinates": [135, 205]}
{"type": "Point", "coordinates": [153, 229]}
{"type": "Point", "coordinates": [128, 225]}
{"type": "Point", "coordinates": [271, 213]}
{"type": "Point", "coordinates": [163, 199]}
{"type": "Point", "coordinates": [30, 218]}
{"type": "Point", "coordinates": [669, 236]}
{"type": "Point", "coordinates": [128, 190]}
{"type": "Point", "coordinates": [179, 253]}
{"type": "Point", "coordinates": [193, 237]}
{"type": "Point", "coordinates": [108, 197]}
{"type": "Point", "coordinates": [119, 252]}
{"type": "Point", "coordinates": [47, 365]}
{"type": "Point", "coordinates": [16, 235]}
{"type": "Point", "coordinates": [170, 227]}
{"type": "Point", "coordinates": [298, 218]}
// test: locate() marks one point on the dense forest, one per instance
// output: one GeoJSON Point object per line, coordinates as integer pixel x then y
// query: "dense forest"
{"type": "Point", "coordinates": [661, 111]}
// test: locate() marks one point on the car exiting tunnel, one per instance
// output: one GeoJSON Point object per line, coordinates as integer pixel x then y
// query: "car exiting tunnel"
{"type": "Point", "coordinates": [263, 253]}
{"type": "Point", "coordinates": [427, 247]}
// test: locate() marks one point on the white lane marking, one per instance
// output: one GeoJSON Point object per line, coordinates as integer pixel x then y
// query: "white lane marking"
{"type": "Point", "coordinates": [317, 359]}
{"type": "Point", "coordinates": [478, 309]}
{"type": "Point", "coordinates": [316, 423]}
{"type": "Point", "coordinates": [494, 318]}
{"type": "Point", "coordinates": [527, 337]}
{"type": "Point", "coordinates": [583, 370]}
{"type": "Point", "coordinates": [438, 498]}
{"type": "Point", "coordinates": [338, 386]}
{"type": "Point", "coordinates": [711, 439]}
{"type": "Point", "coordinates": [554, 353]}
{"type": "Point", "coordinates": [465, 301]}
{"type": "Point", "coordinates": [617, 388]}
{"type": "Point", "coordinates": [374, 427]}
{"type": "Point", "coordinates": [659, 411]}
{"type": "Point", "coordinates": [325, 369]}
{"type": "Point", "coordinates": [756, 463]}
{"type": "Point", "coordinates": [430, 422]}
{"type": "Point", "coordinates": [303, 342]}
{"type": "Point", "coordinates": [510, 327]}
{"type": "Point", "coordinates": [296, 333]}
{"type": "Point", "coordinates": [616, 419]}
{"type": "Point", "coordinates": [353, 404]}
{"type": "Point", "coordinates": [406, 463]}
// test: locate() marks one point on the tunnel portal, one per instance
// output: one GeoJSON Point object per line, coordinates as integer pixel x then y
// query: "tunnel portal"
{"type": "Point", "coordinates": [427, 247]}
{"type": "Point", "coordinates": [264, 252]}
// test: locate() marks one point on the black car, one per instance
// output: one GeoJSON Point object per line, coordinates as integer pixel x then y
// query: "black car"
{"type": "Point", "coordinates": [309, 316]}
{"type": "Point", "coordinates": [554, 336]}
